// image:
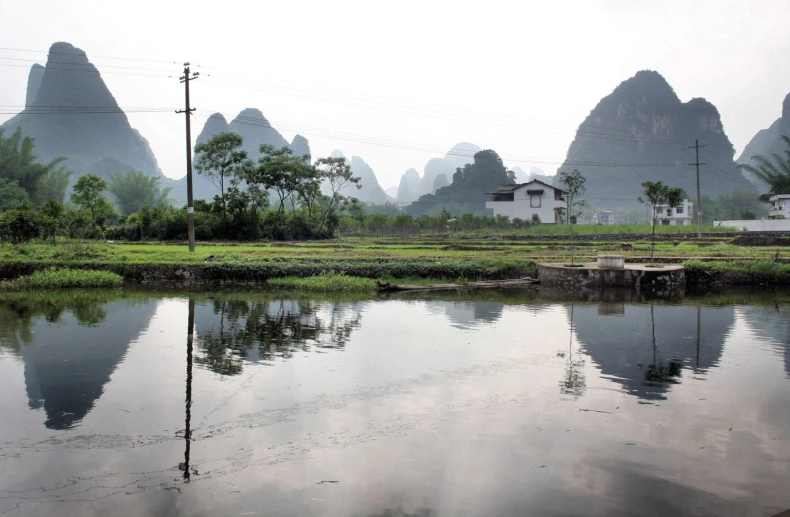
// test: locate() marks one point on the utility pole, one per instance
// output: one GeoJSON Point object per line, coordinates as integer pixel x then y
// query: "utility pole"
{"type": "Point", "coordinates": [696, 147]}
{"type": "Point", "coordinates": [187, 112]}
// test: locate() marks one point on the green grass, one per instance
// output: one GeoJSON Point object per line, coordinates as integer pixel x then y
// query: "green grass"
{"type": "Point", "coordinates": [54, 278]}
{"type": "Point", "coordinates": [329, 282]}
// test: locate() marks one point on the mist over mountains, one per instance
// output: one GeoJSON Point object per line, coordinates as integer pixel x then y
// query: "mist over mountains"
{"type": "Point", "coordinates": [768, 141]}
{"type": "Point", "coordinates": [70, 112]}
{"type": "Point", "coordinates": [640, 132]}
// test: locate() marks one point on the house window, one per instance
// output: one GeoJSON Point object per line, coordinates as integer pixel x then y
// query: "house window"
{"type": "Point", "coordinates": [534, 201]}
{"type": "Point", "coordinates": [679, 210]}
{"type": "Point", "coordinates": [558, 195]}
{"type": "Point", "coordinates": [669, 211]}
{"type": "Point", "coordinates": [665, 222]}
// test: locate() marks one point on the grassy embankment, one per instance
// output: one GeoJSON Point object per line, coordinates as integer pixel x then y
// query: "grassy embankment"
{"type": "Point", "coordinates": [64, 278]}
{"type": "Point", "coordinates": [439, 257]}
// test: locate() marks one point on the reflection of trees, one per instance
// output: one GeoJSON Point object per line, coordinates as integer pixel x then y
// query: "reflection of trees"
{"type": "Point", "coordinates": [574, 382]}
{"type": "Point", "coordinates": [18, 312]}
{"type": "Point", "coordinates": [268, 329]}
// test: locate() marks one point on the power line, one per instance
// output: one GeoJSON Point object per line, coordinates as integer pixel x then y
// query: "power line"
{"type": "Point", "coordinates": [85, 55]}
{"type": "Point", "coordinates": [87, 71]}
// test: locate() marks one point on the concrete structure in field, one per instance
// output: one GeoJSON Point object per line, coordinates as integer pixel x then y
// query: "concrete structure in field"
{"type": "Point", "coordinates": [781, 204]}
{"type": "Point", "coordinates": [527, 199]}
{"type": "Point", "coordinates": [681, 215]}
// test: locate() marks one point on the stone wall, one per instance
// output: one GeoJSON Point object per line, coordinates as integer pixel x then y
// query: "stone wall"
{"type": "Point", "coordinates": [555, 275]}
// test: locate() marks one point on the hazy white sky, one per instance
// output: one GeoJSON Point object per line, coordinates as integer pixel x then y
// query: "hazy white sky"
{"type": "Point", "coordinates": [398, 84]}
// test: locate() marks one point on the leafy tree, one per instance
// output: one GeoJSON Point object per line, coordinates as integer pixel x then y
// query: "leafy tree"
{"type": "Point", "coordinates": [20, 224]}
{"type": "Point", "coordinates": [223, 162]}
{"type": "Point", "coordinates": [574, 186]}
{"type": "Point", "coordinates": [18, 163]}
{"type": "Point", "coordinates": [337, 176]}
{"type": "Point", "coordinates": [134, 189]}
{"type": "Point", "coordinates": [281, 171]}
{"type": "Point", "coordinates": [657, 193]}
{"type": "Point", "coordinates": [11, 194]}
{"type": "Point", "coordinates": [775, 171]}
{"type": "Point", "coordinates": [51, 219]}
{"type": "Point", "coordinates": [88, 196]}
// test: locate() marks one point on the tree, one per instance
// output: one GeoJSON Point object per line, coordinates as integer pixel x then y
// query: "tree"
{"type": "Point", "coordinates": [11, 194]}
{"type": "Point", "coordinates": [51, 219]}
{"type": "Point", "coordinates": [18, 163]}
{"type": "Point", "coordinates": [135, 189]}
{"type": "Point", "coordinates": [337, 176]}
{"type": "Point", "coordinates": [281, 171]}
{"type": "Point", "coordinates": [657, 194]}
{"type": "Point", "coordinates": [88, 196]}
{"type": "Point", "coordinates": [574, 184]}
{"type": "Point", "coordinates": [775, 171]}
{"type": "Point", "coordinates": [52, 186]}
{"type": "Point", "coordinates": [20, 224]}
{"type": "Point", "coordinates": [223, 162]}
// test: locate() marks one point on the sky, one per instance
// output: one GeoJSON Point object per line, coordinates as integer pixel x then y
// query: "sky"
{"type": "Point", "coordinates": [398, 84]}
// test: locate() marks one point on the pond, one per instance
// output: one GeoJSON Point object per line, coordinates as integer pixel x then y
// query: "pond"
{"type": "Point", "coordinates": [501, 403]}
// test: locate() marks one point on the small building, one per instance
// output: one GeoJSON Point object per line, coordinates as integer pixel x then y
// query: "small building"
{"type": "Point", "coordinates": [781, 204]}
{"type": "Point", "coordinates": [605, 218]}
{"type": "Point", "coordinates": [524, 200]}
{"type": "Point", "coordinates": [680, 215]}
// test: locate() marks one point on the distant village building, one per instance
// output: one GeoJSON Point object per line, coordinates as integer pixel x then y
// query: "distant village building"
{"type": "Point", "coordinates": [781, 206]}
{"type": "Point", "coordinates": [680, 215]}
{"type": "Point", "coordinates": [527, 199]}
{"type": "Point", "coordinates": [605, 218]}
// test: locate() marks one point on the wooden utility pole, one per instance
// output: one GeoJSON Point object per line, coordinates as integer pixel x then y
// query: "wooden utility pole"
{"type": "Point", "coordinates": [187, 112]}
{"type": "Point", "coordinates": [696, 147]}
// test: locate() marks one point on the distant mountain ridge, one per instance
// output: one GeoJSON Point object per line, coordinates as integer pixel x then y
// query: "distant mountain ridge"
{"type": "Point", "coordinates": [641, 132]}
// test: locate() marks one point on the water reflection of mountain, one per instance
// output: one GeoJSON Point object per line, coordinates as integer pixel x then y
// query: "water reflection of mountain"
{"type": "Point", "coordinates": [70, 356]}
{"type": "Point", "coordinates": [231, 331]}
{"type": "Point", "coordinates": [771, 323]}
{"type": "Point", "coordinates": [621, 342]}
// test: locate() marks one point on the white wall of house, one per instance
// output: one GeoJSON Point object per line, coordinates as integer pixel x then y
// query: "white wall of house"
{"type": "Point", "coordinates": [757, 225]}
{"type": "Point", "coordinates": [525, 204]}
{"type": "Point", "coordinates": [680, 215]}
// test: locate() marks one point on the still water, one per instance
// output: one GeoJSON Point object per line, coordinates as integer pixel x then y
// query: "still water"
{"type": "Point", "coordinates": [506, 404]}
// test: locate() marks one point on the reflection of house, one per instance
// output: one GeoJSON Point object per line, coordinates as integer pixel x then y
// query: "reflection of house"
{"type": "Point", "coordinates": [680, 215]}
{"type": "Point", "coordinates": [781, 204]}
{"type": "Point", "coordinates": [527, 199]}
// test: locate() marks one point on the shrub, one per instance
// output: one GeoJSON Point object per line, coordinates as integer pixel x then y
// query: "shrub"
{"type": "Point", "coordinates": [55, 278]}
{"type": "Point", "coordinates": [329, 282]}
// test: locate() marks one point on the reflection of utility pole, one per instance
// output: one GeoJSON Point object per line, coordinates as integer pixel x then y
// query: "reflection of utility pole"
{"type": "Point", "coordinates": [188, 401]}
{"type": "Point", "coordinates": [699, 310]}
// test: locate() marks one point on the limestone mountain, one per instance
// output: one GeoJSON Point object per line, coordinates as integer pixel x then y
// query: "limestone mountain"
{"type": "Point", "coordinates": [460, 155]}
{"type": "Point", "coordinates": [33, 83]}
{"type": "Point", "coordinates": [255, 129]}
{"type": "Point", "coordinates": [70, 112]}
{"type": "Point", "coordinates": [641, 132]}
{"type": "Point", "coordinates": [520, 175]}
{"type": "Point", "coordinates": [409, 186]}
{"type": "Point", "coordinates": [467, 192]}
{"type": "Point", "coordinates": [371, 191]}
{"type": "Point", "coordinates": [768, 141]}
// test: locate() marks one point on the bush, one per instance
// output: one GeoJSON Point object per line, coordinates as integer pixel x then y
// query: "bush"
{"type": "Point", "coordinates": [329, 282]}
{"type": "Point", "coordinates": [55, 278]}
{"type": "Point", "coordinates": [21, 224]}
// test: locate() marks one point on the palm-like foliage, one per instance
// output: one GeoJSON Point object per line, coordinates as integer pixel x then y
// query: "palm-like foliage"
{"type": "Point", "coordinates": [52, 186]}
{"type": "Point", "coordinates": [18, 163]}
{"type": "Point", "coordinates": [135, 189]}
{"type": "Point", "coordinates": [775, 171]}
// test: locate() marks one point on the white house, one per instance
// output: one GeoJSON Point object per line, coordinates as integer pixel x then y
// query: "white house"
{"type": "Point", "coordinates": [680, 215]}
{"type": "Point", "coordinates": [526, 199]}
{"type": "Point", "coordinates": [781, 206]}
